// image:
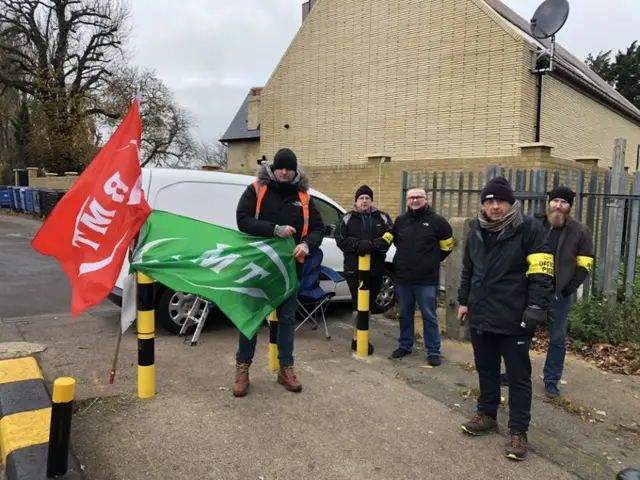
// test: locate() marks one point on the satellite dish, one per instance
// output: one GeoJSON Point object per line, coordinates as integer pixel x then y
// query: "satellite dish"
{"type": "Point", "coordinates": [549, 18]}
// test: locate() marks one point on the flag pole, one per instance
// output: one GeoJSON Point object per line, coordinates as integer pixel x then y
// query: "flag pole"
{"type": "Point", "coordinates": [146, 336]}
{"type": "Point", "coordinates": [112, 374]}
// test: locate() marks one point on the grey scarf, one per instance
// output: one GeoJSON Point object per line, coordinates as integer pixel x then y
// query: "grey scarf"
{"type": "Point", "coordinates": [513, 218]}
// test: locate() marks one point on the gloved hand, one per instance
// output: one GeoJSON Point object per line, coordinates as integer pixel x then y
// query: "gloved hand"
{"type": "Point", "coordinates": [364, 247]}
{"type": "Point", "coordinates": [381, 244]}
{"type": "Point", "coordinates": [533, 317]}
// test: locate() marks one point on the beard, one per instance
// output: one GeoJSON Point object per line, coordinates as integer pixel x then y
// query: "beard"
{"type": "Point", "coordinates": [556, 218]}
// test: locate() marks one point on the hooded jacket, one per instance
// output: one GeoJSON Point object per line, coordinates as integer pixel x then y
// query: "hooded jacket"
{"type": "Point", "coordinates": [423, 239]}
{"type": "Point", "coordinates": [356, 226]}
{"type": "Point", "coordinates": [280, 206]}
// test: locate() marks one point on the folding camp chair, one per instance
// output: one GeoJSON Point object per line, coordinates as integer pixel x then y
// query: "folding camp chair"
{"type": "Point", "coordinates": [312, 299]}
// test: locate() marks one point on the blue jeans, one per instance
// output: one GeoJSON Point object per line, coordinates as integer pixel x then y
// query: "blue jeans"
{"type": "Point", "coordinates": [558, 313]}
{"type": "Point", "coordinates": [286, 328]}
{"type": "Point", "coordinates": [425, 295]}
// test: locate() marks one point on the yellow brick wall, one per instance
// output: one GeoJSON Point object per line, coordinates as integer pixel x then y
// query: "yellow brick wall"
{"type": "Point", "coordinates": [242, 156]}
{"type": "Point", "coordinates": [408, 78]}
{"type": "Point", "coordinates": [63, 183]}
{"type": "Point", "coordinates": [575, 124]}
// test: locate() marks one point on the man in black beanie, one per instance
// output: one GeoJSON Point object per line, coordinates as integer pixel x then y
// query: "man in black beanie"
{"type": "Point", "coordinates": [572, 245]}
{"type": "Point", "coordinates": [506, 282]}
{"type": "Point", "coordinates": [364, 230]}
{"type": "Point", "coordinates": [278, 204]}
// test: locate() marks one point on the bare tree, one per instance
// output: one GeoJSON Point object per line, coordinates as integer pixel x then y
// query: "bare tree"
{"type": "Point", "coordinates": [60, 52]}
{"type": "Point", "coordinates": [166, 139]}
{"type": "Point", "coordinates": [211, 153]}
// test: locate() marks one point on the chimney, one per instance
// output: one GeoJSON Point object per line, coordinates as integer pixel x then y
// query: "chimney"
{"type": "Point", "coordinates": [253, 115]}
{"type": "Point", "coordinates": [306, 8]}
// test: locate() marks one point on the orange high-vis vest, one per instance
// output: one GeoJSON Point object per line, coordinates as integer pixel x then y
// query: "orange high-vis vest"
{"type": "Point", "coordinates": [261, 189]}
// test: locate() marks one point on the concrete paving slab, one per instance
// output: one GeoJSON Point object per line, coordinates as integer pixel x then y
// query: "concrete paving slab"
{"type": "Point", "coordinates": [350, 422]}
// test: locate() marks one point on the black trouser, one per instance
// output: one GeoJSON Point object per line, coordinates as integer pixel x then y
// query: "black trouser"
{"type": "Point", "coordinates": [488, 348]}
{"type": "Point", "coordinates": [374, 288]}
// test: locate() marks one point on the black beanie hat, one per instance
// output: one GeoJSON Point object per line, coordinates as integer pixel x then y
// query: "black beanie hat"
{"type": "Point", "coordinates": [563, 192]}
{"type": "Point", "coordinates": [364, 190]}
{"type": "Point", "coordinates": [285, 158]}
{"type": "Point", "coordinates": [498, 189]}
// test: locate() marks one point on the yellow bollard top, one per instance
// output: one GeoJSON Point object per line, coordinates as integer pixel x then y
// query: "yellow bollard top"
{"type": "Point", "coordinates": [64, 390]}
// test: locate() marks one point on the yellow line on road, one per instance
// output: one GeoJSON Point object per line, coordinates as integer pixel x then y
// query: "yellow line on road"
{"type": "Point", "coordinates": [18, 369]}
{"type": "Point", "coordinates": [24, 429]}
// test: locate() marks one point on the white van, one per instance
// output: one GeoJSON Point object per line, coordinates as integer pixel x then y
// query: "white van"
{"type": "Point", "coordinates": [212, 197]}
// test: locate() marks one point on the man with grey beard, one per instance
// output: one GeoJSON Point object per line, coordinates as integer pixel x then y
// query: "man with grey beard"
{"type": "Point", "coordinates": [572, 245]}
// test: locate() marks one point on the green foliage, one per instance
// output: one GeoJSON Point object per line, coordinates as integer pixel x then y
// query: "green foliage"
{"type": "Point", "coordinates": [590, 321]}
{"type": "Point", "coordinates": [622, 72]}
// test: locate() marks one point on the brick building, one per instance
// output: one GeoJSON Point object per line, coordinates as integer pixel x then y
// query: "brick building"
{"type": "Point", "coordinates": [368, 89]}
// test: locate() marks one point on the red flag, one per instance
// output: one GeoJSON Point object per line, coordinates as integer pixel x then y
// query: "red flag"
{"type": "Point", "coordinates": [90, 229]}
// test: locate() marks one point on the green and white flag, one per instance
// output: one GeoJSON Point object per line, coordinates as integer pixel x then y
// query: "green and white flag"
{"type": "Point", "coordinates": [247, 277]}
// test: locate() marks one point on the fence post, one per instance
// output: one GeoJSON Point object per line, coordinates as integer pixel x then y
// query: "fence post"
{"type": "Point", "coordinates": [403, 192]}
{"type": "Point", "coordinates": [453, 268]}
{"type": "Point", "coordinates": [634, 224]}
{"type": "Point", "coordinates": [612, 256]}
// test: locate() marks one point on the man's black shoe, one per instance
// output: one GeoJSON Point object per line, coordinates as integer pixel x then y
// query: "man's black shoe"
{"type": "Point", "coordinates": [434, 361]}
{"type": "Point", "coordinates": [354, 346]}
{"type": "Point", "coordinates": [399, 353]}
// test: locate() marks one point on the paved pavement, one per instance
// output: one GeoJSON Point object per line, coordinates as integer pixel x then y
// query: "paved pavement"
{"type": "Point", "coordinates": [355, 419]}
{"type": "Point", "coordinates": [30, 283]}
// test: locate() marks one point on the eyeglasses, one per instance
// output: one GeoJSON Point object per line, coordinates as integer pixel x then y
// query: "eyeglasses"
{"type": "Point", "coordinates": [413, 199]}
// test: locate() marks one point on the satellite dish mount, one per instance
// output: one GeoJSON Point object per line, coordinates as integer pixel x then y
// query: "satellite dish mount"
{"type": "Point", "coordinates": [548, 19]}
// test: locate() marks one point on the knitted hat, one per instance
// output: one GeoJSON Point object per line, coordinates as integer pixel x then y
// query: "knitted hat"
{"type": "Point", "coordinates": [498, 189]}
{"type": "Point", "coordinates": [364, 190]}
{"type": "Point", "coordinates": [285, 158]}
{"type": "Point", "coordinates": [563, 192]}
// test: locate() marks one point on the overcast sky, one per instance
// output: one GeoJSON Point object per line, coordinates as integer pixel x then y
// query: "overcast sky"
{"type": "Point", "coordinates": [210, 52]}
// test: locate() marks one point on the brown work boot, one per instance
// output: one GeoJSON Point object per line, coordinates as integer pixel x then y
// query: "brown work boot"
{"type": "Point", "coordinates": [480, 424]}
{"type": "Point", "coordinates": [518, 446]}
{"type": "Point", "coordinates": [241, 387]}
{"type": "Point", "coordinates": [287, 377]}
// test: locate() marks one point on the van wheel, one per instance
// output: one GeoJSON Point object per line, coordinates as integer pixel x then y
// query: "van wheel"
{"type": "Point", "coordinates": [386, 298]}
{"type": "Point", "coordinates": [172, 309]}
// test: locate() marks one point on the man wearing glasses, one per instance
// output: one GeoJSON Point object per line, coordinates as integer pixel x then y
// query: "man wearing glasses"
{"type": "Point", "coordinates": [423, 239]}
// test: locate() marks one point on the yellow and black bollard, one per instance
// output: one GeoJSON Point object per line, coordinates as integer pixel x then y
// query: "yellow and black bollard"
{"type": "Point", "coordinates": [64, 391]}
{"type": "Point", "coordinates": [274, 363]}
{"type": "Point", "coordinates": [362, 321]}
{"type": "Point", "coordinates": [146, 336]}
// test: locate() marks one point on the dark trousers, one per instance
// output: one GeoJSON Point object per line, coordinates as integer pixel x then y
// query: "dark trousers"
{"type": "Point", "coordinates": [374, 288]}
{"type": "Point", "coordinates": [286, 330]}
{"type": "Point", "coordinates": [488, 348]}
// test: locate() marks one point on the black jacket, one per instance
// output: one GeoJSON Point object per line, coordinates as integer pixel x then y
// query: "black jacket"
{"type": "Point", "coordinates": [497, 284]}
{"type": "Point", "coordinates": [423, 239]}
{"type": "Point", "coordinates": [573, 259]}
{"type": "Point", "coordinates": [280, 206]}
{"type": "Point", "coordinates": [356, 226]}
